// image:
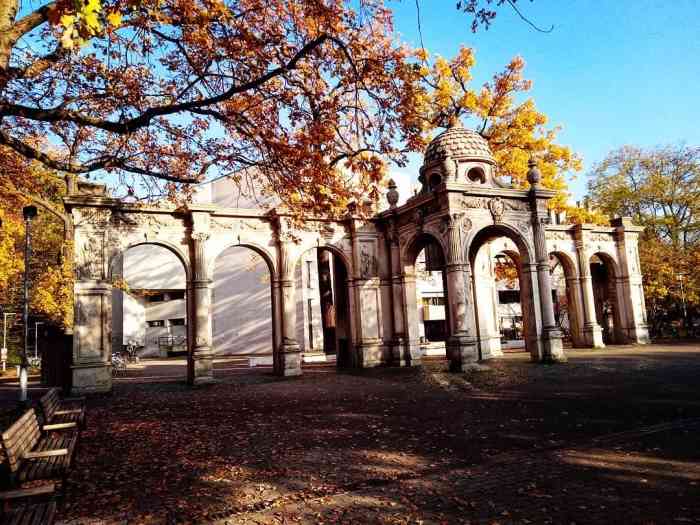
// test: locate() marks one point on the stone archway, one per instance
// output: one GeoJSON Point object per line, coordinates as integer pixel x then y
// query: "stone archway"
{"type": "Point", "coordinates": [242, 304]}
{"type": "Point", "coordinates": [150, 302]}
{"type": "Point", "coordinates": [436, 260]}
{"type": "Point", "coordinates": [573, 297]}
{"type": "Point", "coordinates": [608, 307]}
{"type": "Point", "coordinates": [527, 277]}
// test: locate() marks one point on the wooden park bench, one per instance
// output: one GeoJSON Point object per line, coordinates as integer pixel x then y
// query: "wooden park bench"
{"type": "Point", "coordinates": [57, 410]}
{"type": "Point", "coordinates": [17, 510]}
{"type": "Point", "coordinates": [33, 455]}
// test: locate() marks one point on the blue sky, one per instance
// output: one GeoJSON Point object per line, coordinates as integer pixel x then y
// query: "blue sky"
{"type": "Point", "coordinates": [611, 72]}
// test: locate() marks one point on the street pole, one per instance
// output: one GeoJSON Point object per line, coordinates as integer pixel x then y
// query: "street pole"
{"type": "Point", "coordinates": [29, 212]}
{"type": "Point", "coordinates": [3, 354]}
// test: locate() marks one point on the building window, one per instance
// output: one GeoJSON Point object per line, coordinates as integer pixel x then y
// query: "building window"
{"type": "Point", "coordinates": [155, 298]}
{"type": "Point", "coordinates": [159, 322]}
{"type": "Point", "coordinates": [177, 322]}
{"type": "Point", "coordinates": [508, 296]}
{"type": "Point", "coordinates": [177, 295]}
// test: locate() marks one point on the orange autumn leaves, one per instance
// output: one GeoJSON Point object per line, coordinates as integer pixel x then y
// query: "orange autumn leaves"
{"type": "Point", "coordinates": [498, 109]}
{"type": "Point", "coordinates": [311, 100]}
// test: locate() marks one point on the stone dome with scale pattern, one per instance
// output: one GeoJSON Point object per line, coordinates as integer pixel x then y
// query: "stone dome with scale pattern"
{"type": "Point", "coordinates": [457, 142]}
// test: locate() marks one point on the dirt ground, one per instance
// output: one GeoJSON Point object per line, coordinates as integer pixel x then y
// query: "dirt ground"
{"type": "Point", "coordinates": [611, 436]}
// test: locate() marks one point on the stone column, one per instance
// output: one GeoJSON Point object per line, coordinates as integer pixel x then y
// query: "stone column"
{"type": "Point", "coordinates": [630, 291]}
{"type": "Point", "coordinates": [288, 361]}
{"type": "Point", "coordinates": [592, 332]}
{"type": "Point", "coordinates": [397, 302]}
{"type": "Point", "coordinates": [202, 354]}
{"type": "Point", "coordinates": [367, 294]}
{"type": "Point", "coordinates": [411, 355]}
{"type": "Point", "coordinates": [576, 315]}
{"type": "Point", "coordinates": [552, 348]}
{"type": "Point", "coordinates": [461, 343]}
{"type": "Point", "coordinates": [92, 334]}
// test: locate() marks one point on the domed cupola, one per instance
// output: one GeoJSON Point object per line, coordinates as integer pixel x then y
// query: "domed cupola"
{"type": "Point", "coordinates": [457, 155]}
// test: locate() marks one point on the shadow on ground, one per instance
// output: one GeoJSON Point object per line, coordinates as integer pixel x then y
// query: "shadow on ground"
{"type": "Point", "coordinates": [610, 436]}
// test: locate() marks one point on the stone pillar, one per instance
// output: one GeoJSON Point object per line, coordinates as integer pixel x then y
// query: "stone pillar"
{"type": "Point", "coordinates": [411, 355]}
{"type": "Point", "coordinates": [288, 361]}
{"type": "Point", "coordinates": [485, 302]}
{"type": "Point", "coordinates": [576, 315]}
{"type": "Point", "coordinates": [202, 354]}
{"type": "Point", "coordinates": [592, 332]}
{"type": "Point", "coordinates": [461, 343]}
{"type": "Point", "coordinates": [367, 295]}
{"type": "Point", "coordinates": [397, 300]}
{"type": "Point", "coordinates": [630, 291]}
{"type": "Point", "coordinates": [92, 333]}
{"type": "Point", "coordinates": [552, 348]}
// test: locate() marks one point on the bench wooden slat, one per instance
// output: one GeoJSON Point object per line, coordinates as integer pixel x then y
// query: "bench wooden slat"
{"type": "Point", "coordinates": [32, 456]}
{"type": "Point", "coordinates": [60, 411]}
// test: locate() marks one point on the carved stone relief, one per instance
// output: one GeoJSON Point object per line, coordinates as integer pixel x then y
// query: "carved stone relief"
{"type": "Point", "coordinates": [558, 236]}
{"type": "Point", "coordinates": [97, 217]}
{"type": "Point", "coordinates": [91, 257]}
{"type": "Point", "coordinates": [368, 261]}
{"type": "Point", "coordinates": [496, 207]}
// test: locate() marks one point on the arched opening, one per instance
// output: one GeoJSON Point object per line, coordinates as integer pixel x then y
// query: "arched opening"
{"type": "Point", "coordinates": [607, 303]}
{"type": "Point", "coordinates": [150, 304]}
{"type": "Point", "coordinates": [476, 174]}
{"type": "Point", "coordinates": [566, 298]}
{"type": "Point", "coordinates": [241, 308]}
{"type": "Point", "coordinates": [503, 287]}
{"type": "Point", "coordinates": [428, 321]}
{"type": "Point", "coordinates": [323, 311]}
{"type": "Point", "coordinates": [434, 181]}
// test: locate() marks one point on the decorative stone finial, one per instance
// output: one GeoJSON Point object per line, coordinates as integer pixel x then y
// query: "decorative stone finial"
{"type": "Point", "coordinates": [533, 174]}
{"type": "Point", "coordinates": [392, 195]}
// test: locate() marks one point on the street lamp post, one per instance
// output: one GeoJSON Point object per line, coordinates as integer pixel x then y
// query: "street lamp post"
{"type": "Point", "coordinates": [29, 212]}
{"type": "Point", "coordinates": [3, 354]}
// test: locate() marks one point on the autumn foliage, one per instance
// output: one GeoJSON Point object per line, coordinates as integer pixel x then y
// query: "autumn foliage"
{"type": "Point", "coordinates": [660, 189]}
{"type": "Point", "coordinates": [500, 110]}
{"type": "Point", "coordinates": [25, 183]}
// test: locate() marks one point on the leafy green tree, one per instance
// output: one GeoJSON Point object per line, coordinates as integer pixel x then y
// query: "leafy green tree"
{"type": "Point", "coordinates": [660, 189]}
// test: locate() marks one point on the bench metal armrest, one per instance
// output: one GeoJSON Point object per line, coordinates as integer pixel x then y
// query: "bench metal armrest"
{"type": "Point", "coordinates": [26, 493]}
{"type": "Point", "coordinates": [71, 411]}
{"type": "Point", "coordinates": [46, 453]}
{"type": "Point", "coordinates": [60, 426]}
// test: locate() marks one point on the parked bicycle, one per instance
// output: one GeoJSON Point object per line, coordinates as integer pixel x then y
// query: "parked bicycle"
{"type": "Point", "coordinates": [118, 365]}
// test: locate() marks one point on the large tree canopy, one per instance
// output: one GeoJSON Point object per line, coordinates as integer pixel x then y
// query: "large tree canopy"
{"type": "Point", "coordinates": [308, 96]}
{"type": "Point", "coordinates": [660, 189]}
{"type": "Point", "coordinates": [181, 89]}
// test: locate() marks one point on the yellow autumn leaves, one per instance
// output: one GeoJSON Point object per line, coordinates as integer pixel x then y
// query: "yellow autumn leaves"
{"type": "Point", "coordinates": [82, 21]}
{"type": "Point", "coordinates": [499, 110]}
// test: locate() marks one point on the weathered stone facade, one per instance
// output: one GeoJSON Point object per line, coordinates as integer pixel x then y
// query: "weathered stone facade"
{"type": "Point", "coordinates": [461, 206]}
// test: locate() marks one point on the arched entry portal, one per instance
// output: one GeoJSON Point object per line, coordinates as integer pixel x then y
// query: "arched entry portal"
{"type": "Point", "coordinates": [483, 247]}
{"type": "Point", "coordinates": [150, 301]}
{"type": "Point", "coordinates": [605, 291]}
{"type": "Point", "coordinates": [568, 302]}
{"type": "Point", "coordinates": [426, 297]}
{"type": "Point", "coordinates": [242, 305]}
{"type": "Point", "coordinates": [323, 307]}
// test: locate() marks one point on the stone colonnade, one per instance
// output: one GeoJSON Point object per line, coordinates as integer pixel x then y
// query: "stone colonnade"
{"type": "Point", "coordinates": [379, 255]}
